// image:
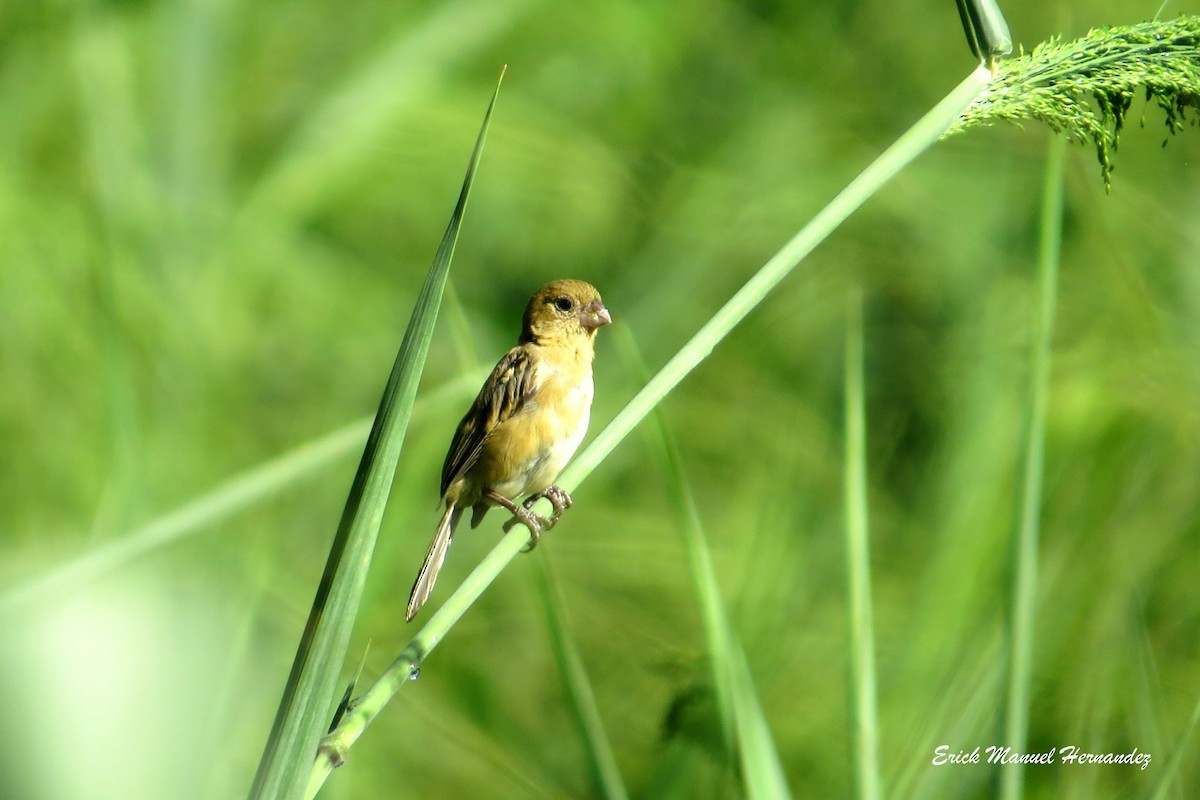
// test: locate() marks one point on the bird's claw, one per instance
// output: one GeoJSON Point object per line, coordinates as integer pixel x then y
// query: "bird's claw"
{"type": "Point", "coordinates": [558, 498]}
{"type": "Point", "coordinates": [536, 523]}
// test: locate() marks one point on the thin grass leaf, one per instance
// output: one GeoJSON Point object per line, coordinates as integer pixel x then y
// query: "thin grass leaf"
{"type": "Point", "coordinates": [743, 724]}
{"type": "Point", "coordinates": [601, 761]}
{"type": "Point", "coordinates": [858, 564]}
{"type": "Point", "coordinates": [1025, 544]}
{"type": "Point", "coordinates": [761, 770]}
{"type": "Point", "coordinates": [715, 619]}
{"type": "Point", "coordinates": [287, 759]}
{"type": "Point", "coordinates": [713, 615]}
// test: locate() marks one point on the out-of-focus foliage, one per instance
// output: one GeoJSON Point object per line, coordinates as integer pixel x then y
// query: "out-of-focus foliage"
{"type": "Point", "coordinates": [207, 209]}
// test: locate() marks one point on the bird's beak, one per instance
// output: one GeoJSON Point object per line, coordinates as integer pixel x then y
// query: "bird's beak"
{"type": "Point", "coordinates": [594, 315]}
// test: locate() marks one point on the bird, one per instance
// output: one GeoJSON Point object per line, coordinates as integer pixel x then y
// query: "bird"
{"type": "Point", "coordinates": [525, 424]}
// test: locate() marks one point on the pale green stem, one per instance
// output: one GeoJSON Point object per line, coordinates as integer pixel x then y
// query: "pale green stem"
{"type": "Point", "coordinates": [858, 563]}
{"type": "Point", "coordinates": [1025, 552]}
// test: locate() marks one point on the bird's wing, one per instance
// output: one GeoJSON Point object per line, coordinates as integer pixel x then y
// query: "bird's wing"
{"type": "Point", "coordinates": [504, 393]}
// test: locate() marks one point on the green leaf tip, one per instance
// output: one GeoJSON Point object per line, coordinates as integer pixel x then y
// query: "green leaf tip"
{"type": "Point", "coordinates": [296, 734]}
{"type": "Point", "coordinates": [1085, 88]}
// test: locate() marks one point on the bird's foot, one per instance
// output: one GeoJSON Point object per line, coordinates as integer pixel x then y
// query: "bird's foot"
{"type": "Point", "coordinates": [558, 498]}
{"type": "Point", "coordinates": [536, 523]}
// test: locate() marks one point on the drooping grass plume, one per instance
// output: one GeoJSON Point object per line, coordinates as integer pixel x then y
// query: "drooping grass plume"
{"type": "Point", "coordinates": [1085, 88]}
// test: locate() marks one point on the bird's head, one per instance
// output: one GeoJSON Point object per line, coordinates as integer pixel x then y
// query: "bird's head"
{"type": "Point", "coordinates": [562, 310]}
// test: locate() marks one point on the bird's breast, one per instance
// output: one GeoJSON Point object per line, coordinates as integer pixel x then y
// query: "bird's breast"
{"type": "Point", "coordinates": [543, 436]}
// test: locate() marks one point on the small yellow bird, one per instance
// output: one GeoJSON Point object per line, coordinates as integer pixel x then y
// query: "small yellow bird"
{"type": "Point", "coordinates": [526, 423]}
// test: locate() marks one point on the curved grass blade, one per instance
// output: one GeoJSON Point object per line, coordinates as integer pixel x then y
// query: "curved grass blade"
{"type": "Point", "coordinates": [762, 771]}
{"type": "Point", "coordinates": [603, 763]}
{"type": "Point", "coordinates": [743, 725]}
{"type": "Point", "coordinates": [713, 615]}
{"type": "Point", "coordinates": [302, 717]}
{"type": "Point", "coordinates": [239, 492]}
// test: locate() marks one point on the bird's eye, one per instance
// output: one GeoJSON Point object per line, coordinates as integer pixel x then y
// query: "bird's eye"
{"type": "Point", "coordinates": [563, 304]}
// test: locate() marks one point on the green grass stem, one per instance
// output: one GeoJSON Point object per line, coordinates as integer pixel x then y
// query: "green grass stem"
{"type": "Point", "coordinates": [861, 631]}
{"type": "Point", "coordinates": [916, 140]}
{"type": "Point", "coordinates": [1025, 550]}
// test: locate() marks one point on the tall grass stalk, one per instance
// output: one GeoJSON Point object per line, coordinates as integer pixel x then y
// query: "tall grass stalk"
{"type": "Point", "coordinates": [858, 563]}
{"type": "Point", "coordinates": [284, 770]}
{"type": "Point", "coordinates": [1025, 545]}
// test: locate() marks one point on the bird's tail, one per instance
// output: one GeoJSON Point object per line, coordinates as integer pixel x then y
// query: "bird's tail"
{"type": "Point", "coordinates": [423, 586]}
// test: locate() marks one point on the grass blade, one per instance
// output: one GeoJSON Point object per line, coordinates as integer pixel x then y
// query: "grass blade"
{"type": "Point", "coordinates": [302, 716]}
{"type": "Point", "coordinates": [744, 727]}
{"type": "Point", "coordinates": [579, 689]}
{"type": "Point", "coordinates": [761, 770]}
{"type": "Point", "coordinates": [858, 564]}
{"type": "Point", "coordinates": [704, 575]}
{"type": "Point", "coordinates": [1025, 553]}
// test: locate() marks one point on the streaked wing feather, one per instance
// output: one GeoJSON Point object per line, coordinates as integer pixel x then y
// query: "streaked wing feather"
{"type": "Point", "coordinates": [503, 394]}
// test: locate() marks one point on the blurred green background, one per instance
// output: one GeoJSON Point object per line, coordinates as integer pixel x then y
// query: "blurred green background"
{"type": "Point", "coordinates": [214, 218]}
